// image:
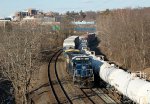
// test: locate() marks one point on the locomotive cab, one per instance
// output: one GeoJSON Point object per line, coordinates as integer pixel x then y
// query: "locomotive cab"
{"type": "Point", "coordinates": [83, 73]}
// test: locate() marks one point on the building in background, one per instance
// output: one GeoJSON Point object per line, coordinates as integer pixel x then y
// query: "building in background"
{"type": "Point", "coordinates": [35, 15]}
{"type": "Point", "coordinates": [84, 26]}
{"type": "Point", "coordinates": [32, 12]}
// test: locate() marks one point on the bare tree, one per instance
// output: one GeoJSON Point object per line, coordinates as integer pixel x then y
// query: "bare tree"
{"type": "Point", "coordinates": [124, 34]}
{"type": "Point", "coordinates": [20, 49]}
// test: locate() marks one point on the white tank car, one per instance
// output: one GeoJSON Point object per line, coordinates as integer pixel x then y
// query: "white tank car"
{"type": "Point", "coordinates": [136, 89]}
{"type": "Point", "coordinates": [133, 87]}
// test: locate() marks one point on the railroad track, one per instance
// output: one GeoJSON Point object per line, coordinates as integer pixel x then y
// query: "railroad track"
{"type": "Point", "coordinates": [61, 96]}
{"type": "Point", "coordinates": [58, 90]}
{"type": "Point", "coordinates": [88, 96]}
{"type": "Point", "coordinates": [102, 97]}
{"type": "Point", "coordinates": [112, 95]}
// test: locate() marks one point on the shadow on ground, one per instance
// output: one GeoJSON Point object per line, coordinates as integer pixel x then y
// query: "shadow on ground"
{"type": "Point", "coordinates": [6, 92]}
{"type": "Point", "coordinates": [93, 45]}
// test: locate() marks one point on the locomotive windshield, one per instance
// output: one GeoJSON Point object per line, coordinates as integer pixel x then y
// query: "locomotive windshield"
{"type": "Point", "coordinates": [79, 66]}
{"type": "Point", "coordinates": [82, 66]}
{"type": "Point", "coordinates": [83, 60]}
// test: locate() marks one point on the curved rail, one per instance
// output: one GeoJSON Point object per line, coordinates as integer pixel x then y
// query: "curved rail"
{"type": "Point", "coordinates": [60, 81]}
{"type": "Point", "coordinates": [49, 76]}
{"type": "Point", "coordinates": [56, 55]}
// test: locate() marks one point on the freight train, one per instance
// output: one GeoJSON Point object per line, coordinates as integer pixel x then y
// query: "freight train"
{"type": "Point", "coordinates": [81, 63]}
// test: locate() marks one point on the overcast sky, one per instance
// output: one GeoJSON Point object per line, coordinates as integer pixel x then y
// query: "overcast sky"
{"type": "Point", "coordinates": [8, 7]}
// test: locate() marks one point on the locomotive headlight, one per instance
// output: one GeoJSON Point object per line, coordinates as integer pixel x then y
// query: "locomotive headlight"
{"type": "Point", "coordinates": [86, 58]}
{"type": "Point", "coordinates": [77, 58]}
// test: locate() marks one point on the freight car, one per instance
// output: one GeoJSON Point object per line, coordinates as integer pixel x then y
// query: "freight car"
{"type": "Point", "coordinates": [130, 87]}
{"type": "Point", "coordinates": [71, 43]}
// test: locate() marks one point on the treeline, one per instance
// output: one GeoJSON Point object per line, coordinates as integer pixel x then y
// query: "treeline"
{"type": "Point", "coordinates": [22, 47]}
{"type": "Point", "coordinates": [125, 37]}
{"type": "Point", "coordinates": [81, 16]}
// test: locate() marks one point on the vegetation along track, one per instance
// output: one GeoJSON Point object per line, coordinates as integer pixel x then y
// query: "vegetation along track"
{"type": "Point", "coordinates": [58, 90]}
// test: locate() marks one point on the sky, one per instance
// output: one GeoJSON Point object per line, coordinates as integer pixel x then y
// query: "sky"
{"type": "Point", "coordinates": [9, 7]}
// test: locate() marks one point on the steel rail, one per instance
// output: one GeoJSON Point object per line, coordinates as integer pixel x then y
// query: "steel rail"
{"type": "Point", "coordinates": [87, 96]}
{"type": "Point", "coordinates": [49, 76]}
{"type": "Point", "coordinates": [69, 100]}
